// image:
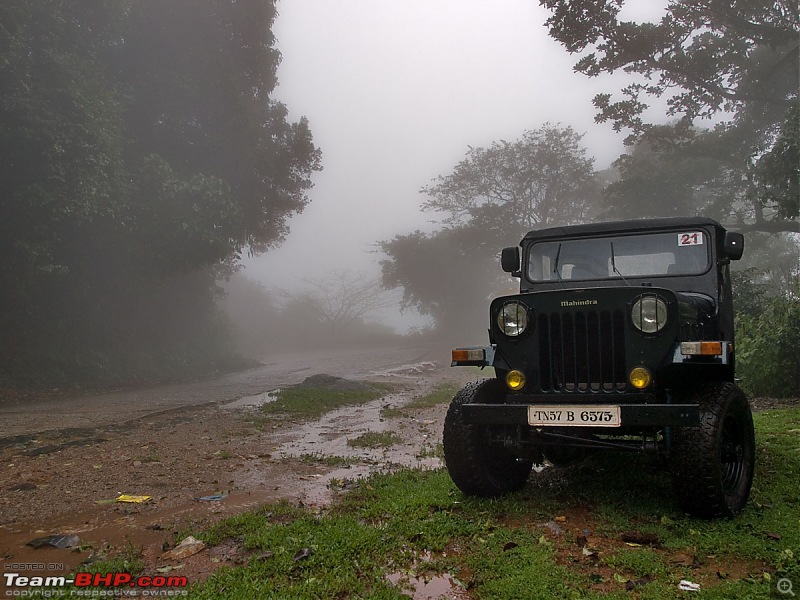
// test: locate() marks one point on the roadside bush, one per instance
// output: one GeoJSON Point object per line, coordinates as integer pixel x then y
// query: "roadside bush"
{"type": "Point", "coordinates": [768, 348]}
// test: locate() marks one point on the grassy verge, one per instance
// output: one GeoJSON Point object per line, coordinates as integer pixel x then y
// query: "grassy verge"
{"type": "Point", "coordinates": [607, 528]}
{"type": "Point", "coordinates": [564, 536]}
{"type": "Point", "coordinates": [375, 439]}
{"type": "Point", "coordinates": [442, 394]}
{"type": "Point", "coordinates": [309, 403]}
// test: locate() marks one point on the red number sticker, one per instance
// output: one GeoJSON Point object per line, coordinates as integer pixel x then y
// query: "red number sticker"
{"type": "Point", "coordinates": [694, 238]}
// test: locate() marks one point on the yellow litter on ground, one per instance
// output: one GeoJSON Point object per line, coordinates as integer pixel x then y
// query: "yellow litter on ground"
{"type": "Point", "coordinates": [135, 499]}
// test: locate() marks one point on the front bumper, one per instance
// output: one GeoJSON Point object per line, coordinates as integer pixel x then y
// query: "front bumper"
{"type": "Point", "coordinates": [634, 410]}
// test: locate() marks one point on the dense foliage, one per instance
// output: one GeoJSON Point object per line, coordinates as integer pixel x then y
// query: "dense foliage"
{"type": "Point", "coordinates": [140, 155]}
{"type": "Point", "coordinates": [767, 359]}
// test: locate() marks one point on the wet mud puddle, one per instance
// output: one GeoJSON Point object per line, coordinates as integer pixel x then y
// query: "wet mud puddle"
{"type": "Point", "coordinates": [307, 463]}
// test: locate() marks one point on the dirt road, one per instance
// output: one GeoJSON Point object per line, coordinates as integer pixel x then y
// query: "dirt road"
{"type": "Point", "coordinates": [21, 417]}
{"type": "Point", "coordinates": [66, 460]}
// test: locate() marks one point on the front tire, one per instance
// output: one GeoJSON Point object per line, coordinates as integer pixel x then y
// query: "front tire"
{"type": "Point", "coordinates": [713, 464]}
{"type": "Point", "coordinates": [476, 466]}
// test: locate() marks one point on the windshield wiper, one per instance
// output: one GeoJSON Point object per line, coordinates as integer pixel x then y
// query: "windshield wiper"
{"type": "Point", "coordinates": [614, 265]}
{"type": "Point", "coordinates": [555, 265]}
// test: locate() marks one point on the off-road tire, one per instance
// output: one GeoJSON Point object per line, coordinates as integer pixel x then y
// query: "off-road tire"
{"type": "Point", "coordinates": [477, 467]}
{"type": "Point", "coordinates": [712, 465]}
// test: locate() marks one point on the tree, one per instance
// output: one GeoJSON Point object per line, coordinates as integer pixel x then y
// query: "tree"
{"type": "Point", "coordinates": [61, 156]}
{"type": "Point", "coordinates": [540, 179]}
{"type": "Point", "coordinates": [492, 197]}
{"type": "Point", "coordinates": [697, 180]}
{"type": "Point", "coordinates": [659, 182]}
{"type": "Point", "coordinates": [447, 275]}
{"type": "Point", "coordinates": [337, 308]}
{"type": "Point", "coordinates": [204, 130]}
{"type": "Point", "coordinates": [139, 149]}
{"type": "Point", "coordinates": [707, 58]}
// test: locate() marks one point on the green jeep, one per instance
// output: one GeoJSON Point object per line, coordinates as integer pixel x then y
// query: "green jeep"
{"type": "Point", "coordinates": [621, 338]}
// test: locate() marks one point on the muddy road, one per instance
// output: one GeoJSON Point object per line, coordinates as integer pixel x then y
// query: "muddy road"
{"type": "Point", "coordinates": [21, 417]}
{"type": "Point", "coordinates": [201, 453]}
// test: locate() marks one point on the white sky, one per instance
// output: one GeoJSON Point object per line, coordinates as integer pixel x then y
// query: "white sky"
{"type": "Point", "coordinates": [395, 91]}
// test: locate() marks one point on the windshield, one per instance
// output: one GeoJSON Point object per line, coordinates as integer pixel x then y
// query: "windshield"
{"type": "Point", "coordinates": [675, 253]}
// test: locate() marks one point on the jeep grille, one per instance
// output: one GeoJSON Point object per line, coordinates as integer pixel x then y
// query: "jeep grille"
{"type": "Point", "coordinates": [582, 351]}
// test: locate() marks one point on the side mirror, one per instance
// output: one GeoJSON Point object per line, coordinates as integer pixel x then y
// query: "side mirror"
{"type": "Point", "coordinates": [733, 245]}
{"type": "Point", "coordinates": [509, 259]}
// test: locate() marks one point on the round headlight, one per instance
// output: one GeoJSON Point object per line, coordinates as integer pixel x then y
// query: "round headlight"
{"type": "Point", "coordinates": [513, 318]}
{"type": "Point", "coordinates": [649, 314]}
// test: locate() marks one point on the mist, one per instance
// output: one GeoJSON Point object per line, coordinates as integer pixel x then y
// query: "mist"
{"type": "Point", "coordinates": [396, 93]}
{"type": "Point", "coordinates": [171, 178]}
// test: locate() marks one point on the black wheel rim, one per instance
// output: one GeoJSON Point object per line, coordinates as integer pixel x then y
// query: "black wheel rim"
{"type": "Point", "coordinates": [733, 454]}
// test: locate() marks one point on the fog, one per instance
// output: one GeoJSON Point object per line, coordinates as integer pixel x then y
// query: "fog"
{"type": "Point", "coordinates": [395, 93]}
{"type": "Point", "coordinates": [148, 145]}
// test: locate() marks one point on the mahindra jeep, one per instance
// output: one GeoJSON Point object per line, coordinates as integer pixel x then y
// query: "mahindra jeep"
{"type": "Point", "coordinates": [621, 338]}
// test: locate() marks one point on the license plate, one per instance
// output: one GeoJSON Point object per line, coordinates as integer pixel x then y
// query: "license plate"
{"type": "Point", "coordinates": [574, 416]}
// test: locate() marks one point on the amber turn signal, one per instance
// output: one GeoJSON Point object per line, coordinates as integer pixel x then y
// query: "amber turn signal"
{"type": "Point", "coordinates": [468, 355]}
{"type": "Point", "coordinates": [701, 348]}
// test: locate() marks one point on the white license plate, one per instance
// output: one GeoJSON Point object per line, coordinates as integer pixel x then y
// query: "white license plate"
{"type": "Point", "coordinates": [574, 416]}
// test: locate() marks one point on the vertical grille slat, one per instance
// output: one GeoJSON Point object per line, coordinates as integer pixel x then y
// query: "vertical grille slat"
{"type": "Point", "coordinates": [582, 352]}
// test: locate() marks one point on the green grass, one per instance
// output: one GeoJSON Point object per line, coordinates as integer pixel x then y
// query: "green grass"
{"type": "Point", "coordinates": [442, 394]}
{"type": "Point", "coordinates": [416, 522]}
{"type": "Point", "coordinates": [375, 439]}
{"type": "Point", "coordinates": [150, 458]}
{"type": "Point", "coordinates": [311, 403]}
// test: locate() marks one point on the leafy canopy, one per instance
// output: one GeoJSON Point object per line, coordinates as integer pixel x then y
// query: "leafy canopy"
{"type": "Point", "coordinates": [542, 178]}
{"type": "Point", "coordinates": [737, 62]}
{"type": "Point", "coordinates": [141, 155]}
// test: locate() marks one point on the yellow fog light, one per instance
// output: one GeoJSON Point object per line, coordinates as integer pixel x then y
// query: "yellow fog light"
{"type": "Point", "coordinates": [640, 378]}
{"type": "Point", "coordinates": [515, 380]}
